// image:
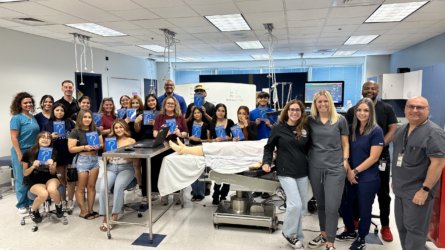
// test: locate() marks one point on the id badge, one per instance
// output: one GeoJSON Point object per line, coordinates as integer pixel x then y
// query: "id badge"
{"type": "Point", "coordinates": [382, 165]}
{"type": "Point", "coordinates": [399, 160]}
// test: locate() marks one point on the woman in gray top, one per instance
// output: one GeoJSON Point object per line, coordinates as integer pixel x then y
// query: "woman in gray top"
{"type": "Point", "coordinates": [328, 161]}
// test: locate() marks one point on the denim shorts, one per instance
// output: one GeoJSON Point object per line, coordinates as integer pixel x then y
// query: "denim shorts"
{"type": "Point", "coordinates": [85, 163]}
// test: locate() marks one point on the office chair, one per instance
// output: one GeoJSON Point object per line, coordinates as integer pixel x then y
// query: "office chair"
{"type": "Point", "coordinates": [47, 212]}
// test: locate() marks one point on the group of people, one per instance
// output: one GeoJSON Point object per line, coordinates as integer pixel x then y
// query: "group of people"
{"type": "Point", "coordinates": [347, 162]}
{"type": "Point", "coordinates": [345, 159]}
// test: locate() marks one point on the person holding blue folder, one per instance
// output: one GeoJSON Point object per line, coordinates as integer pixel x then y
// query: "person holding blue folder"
{"type": "Point", "coordinates": [85, 141]}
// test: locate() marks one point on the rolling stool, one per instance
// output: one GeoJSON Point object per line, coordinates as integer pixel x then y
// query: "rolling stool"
{"type": "Point", "coordinates": [47, 213]}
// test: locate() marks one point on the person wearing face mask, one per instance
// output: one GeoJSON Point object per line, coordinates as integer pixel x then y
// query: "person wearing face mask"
{"type": "Point", "coordinates": [46, 103]}
{"type": "Point", "coordinates": [23, 129]}
{"type": "Point", "coordinates": [169, 88]}
{"type": "Point", "coordinates": [68, 100]}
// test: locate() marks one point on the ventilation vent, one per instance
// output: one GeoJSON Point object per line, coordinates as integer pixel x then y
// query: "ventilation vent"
{"type": "Point", "coordinates": [350, 3]}
{"type": "Point", "coordinates": [29, 21]}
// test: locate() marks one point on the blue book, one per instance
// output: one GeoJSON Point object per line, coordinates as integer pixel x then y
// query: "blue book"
{"type": "Point", "coordinates": [148, 116]}
{"type": "Point", "coordinates": [121, 113]}
{"type": "Point", "coordinates": [110, 144]}
{"type": "Point", "coordinates": [93, 139]}
{"type": "Point", "coordinates": [131, 113]}
{"type": "Point", "coordinates": [97, 117]}
{"type": "Point", "coordinates": [171, 123]}
{"type": "Point", "coordinates": [198, 100]}
{"type": "Point", "coordinates": [45, 154]}
{"type": "Point", "coordinates": [263, 114]}
{"type": "Point", "coordinates": [237, 132]}
{"type": "Point", "coordinates": [59, 128]}
{"type": "Point", "coordinates": [220, 132]}
{"type": "Point", "coordinates": [196, 130]}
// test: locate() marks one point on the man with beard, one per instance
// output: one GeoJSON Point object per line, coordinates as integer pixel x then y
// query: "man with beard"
{"type": "Point", "coordinates": [169, 87]}
{"type": "Point", "coordinates": [387, 120]}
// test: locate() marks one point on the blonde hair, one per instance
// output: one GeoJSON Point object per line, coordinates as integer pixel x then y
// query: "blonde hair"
{"type": "Point", "coordinates": [177, 109]}
{"type": "Point", "coordinates": [333, 115]}
{"type": "Point", "coordinates": [121, 122]}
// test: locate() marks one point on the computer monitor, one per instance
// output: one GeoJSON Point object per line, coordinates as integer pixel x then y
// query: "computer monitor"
{"type": "Point", "coordinates": [335, 88]}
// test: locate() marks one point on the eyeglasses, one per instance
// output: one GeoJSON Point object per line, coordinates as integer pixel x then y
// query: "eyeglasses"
{"type": "Point", "coordinates": [294, 110]}
{"type": "Point", "coordinates": [412, 107]}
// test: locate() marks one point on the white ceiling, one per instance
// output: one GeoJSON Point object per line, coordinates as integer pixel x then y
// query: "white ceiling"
{"type": "Point", "coordinates": [301, 26]}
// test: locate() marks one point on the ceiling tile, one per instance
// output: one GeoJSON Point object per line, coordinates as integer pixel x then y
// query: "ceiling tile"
{"type": "Point", "coordinates": [307, 14]}
{"type": "Point", "coordinates": [132, 15]}
{"type": "Point", "coordinates": [359, 11]}
{"type": "Point", "coordinates": [31, 8]}
{"type": "Point", "coordinates": [82, 10]}
{"type": "Point", "coordinates": [219, 8]}
{"type": "Point", "coordinates": [152, 4]}
{"type": "Point", "coordinates": [113, 5]}
{"type": "Point", "coordinates": [178, 11]}
{"type": "Point", "coordinates": [302, 4]}
{"type": "Point", "coordinates": [259, 6]}
{"type": "Point", "coordinates": [189, 21]}
{"type": "Point", "coordinates": [9, 13]}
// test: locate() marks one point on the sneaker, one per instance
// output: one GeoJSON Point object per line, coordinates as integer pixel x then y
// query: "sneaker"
{"type": "Point", "coordinates": [330, 248]}
{"type": "Point", "coordinates": [297, 244]}
{"type": "Point", "coordinates": [22, 210]}
{"type": "Point", "coordinates": [35, 216]}
{"type": "Point", "coordinates": [346, 236]}
{"type": "Point", "coordinates": [358, 244]}
{"type": "Point", "coordinates": [386, 234]}
{"type": "Point", "coordinates": [138, 191]}
{"type": "Point", "coordinates": [317, 242]}
{"type": "Point", "coordinates": [59, 211]}
{"type": "Point", "coordinates": [154, 196]}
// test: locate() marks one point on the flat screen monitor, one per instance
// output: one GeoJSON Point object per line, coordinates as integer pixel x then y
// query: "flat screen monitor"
{"type": "Point", "coordinates": [335, 88]}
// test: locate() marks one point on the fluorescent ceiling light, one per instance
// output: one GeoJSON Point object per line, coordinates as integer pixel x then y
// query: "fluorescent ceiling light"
{"type": "Point", "coordinates": [233, 22]}
{"type": "Point", "coordinates": [96, 29]}
{"type": "Point", "coordinates": [394, 12]}
{"type": "Point", "coordinates": [155, 48]}
{"type": "Point", "coordinates": [8, 1]}
{"type": "Point", "coordinates": [250, 45]}
{"type": "Point", "coordinates": [344, 52]}
{"type": "Point", "coordinates": [353, 40]}
{"type": "Point", "coordinates": [260, 57]}
{"type": "Point", "coordinates": [186, 58]}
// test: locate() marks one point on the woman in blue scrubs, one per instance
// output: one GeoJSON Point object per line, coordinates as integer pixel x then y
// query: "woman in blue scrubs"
{"type": "Point", "coordinates": [24, 129]}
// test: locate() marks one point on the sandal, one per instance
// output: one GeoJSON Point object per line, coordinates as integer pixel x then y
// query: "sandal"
{"type": "Point", "coordinates": [104, 227]}
{"type": "Point", "coordinates": [87, 216]}
{"type": "Point", "coordinates": [94, 214]}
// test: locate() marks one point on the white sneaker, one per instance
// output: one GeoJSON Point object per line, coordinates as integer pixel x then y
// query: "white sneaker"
{"type": "Point", "coordinates": [22, 210]}
{"type": "Point", "coordinates": [70, 205]}
{"type": "Point", "coordinates": [138, 191]}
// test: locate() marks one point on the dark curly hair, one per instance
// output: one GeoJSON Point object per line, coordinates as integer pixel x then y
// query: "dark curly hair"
{"type": "Point", "coordinates": [16, 105]}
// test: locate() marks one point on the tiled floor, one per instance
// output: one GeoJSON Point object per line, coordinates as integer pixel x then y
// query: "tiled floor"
{"type": "Point", "coordinates": [187, 228]}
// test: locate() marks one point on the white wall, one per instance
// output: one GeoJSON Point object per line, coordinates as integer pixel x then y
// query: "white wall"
{"type": "Point", "coordinates": [376, 65]}
{"type": "Point", "coordinates": [38, 65]}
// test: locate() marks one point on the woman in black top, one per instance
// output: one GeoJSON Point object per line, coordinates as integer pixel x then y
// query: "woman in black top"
{"type": "Point", "coordinates": [40, 177]}
{"type": "Point", "coordinates": [60, 143]}
{"type": "Point", "coordinates": [199, 133]}
{"type": "Point", "coordinates": [290, 138]}
{"type": "Point", "coordinates": [248, 127]}
{"type": "Point", "coordinates": [220, 121]}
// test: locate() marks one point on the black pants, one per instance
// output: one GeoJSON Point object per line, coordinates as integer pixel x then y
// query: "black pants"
{"type": "Point", "coordinates": [220, 192]}
{"type": "Point", "coordinates": [155, 169]}
{"type": "Point", "coordinates": [383, 195]}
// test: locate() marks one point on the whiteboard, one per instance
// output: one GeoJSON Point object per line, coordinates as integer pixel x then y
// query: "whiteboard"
{"type": "Point", "coordinates": [118, 87]}
{"type": "Point", "coordinates": [232, 95]}
{"type": "Point", "coordinates": [392, 86]}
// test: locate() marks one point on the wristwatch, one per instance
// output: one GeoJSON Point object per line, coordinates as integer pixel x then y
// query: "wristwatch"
{"type": "Point", "coordinates": [426, 189]}
{"type": "Point", "coordinates": [356, 172]}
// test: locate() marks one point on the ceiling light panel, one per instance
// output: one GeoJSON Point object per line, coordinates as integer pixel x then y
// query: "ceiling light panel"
{"type": "Point", "coordinates": [96, 29]}
{"type": "Point", "coordinates": [354, 40]}
{"type": "Point", "coordinates": [233, 22]}
{"type": "Point", "coordinates": [250, 45]}
{"type": "Point", "coordinates": [344, 52]}
{"type": "Point", "coordinates": [260, 57]}
{"type": "Point", "coordinates": [155, 48]}
{"type": "Point", "coordinates": [394, 12]}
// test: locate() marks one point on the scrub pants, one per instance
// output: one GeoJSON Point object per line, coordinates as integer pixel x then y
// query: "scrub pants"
{"type": "Point", "coordinates": [21, 191]}
{"type": "Point", "coordinates": [364, 194]}
{"type": "Point", "coordinates": [412, 222]}
{"type": "Point", "coordinates": [296, 200]}
{"type": "Point", "coordinates": [327, 186]}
